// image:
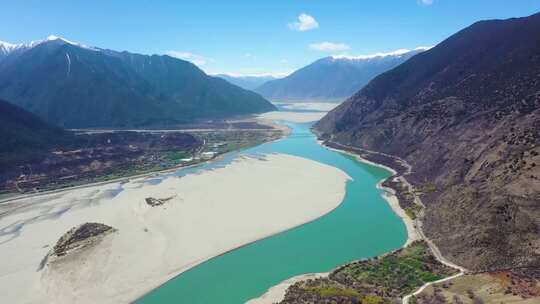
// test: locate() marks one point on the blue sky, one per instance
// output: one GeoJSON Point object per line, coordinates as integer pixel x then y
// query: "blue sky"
{"type": "Point", "coordinates": [251, 37]}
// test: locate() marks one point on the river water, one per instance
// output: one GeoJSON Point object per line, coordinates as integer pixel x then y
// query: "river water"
{"type": "Point", "coordinates": [362, 226]}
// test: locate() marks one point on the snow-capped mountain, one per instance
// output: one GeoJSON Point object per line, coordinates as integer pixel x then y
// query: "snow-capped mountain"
{"type": "Point", "coordinates": [73, 85]}
{"type": "Point", "coordinates": [7, 48]}
{"type": "Point", "coordinates": [334, 77]}
{"type": "Point", "coordinates": [378, 56]}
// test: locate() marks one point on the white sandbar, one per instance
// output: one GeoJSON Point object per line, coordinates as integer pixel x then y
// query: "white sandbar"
{"type": "Point", "coordinates": [299, 117]}
{"type": "Point", "coordinates": [211, 213]}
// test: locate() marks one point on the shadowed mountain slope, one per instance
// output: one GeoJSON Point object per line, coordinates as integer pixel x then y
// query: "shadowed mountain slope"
{"type": "Point", "coordinates": [76, 86]}
{"type": "Point", "coordinates": [466, 115]}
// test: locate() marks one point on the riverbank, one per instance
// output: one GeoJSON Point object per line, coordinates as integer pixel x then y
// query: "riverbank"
{"type": "Point", "coordinates": [210, 213]}
{"type": "Point", "coordinates": [277, 293]}
{"type": "Point", "coordinates": [397, 184]}
{"type": "Point", "coordinates": [381, 279]}
{"type": "Point", "coordinates": [109, 156]}
{"type": "Point", "coordinates": [389, 195]}
{"type": "Point", "coordinates": [495, 286]}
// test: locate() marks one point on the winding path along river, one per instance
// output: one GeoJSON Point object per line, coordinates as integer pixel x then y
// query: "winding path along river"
{"type": "Point", "coordinates": [363, 226]}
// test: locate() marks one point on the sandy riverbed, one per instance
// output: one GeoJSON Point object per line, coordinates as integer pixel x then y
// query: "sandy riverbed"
{"type": "Point", "coordinates": [299, 117]}
{"type": "Point", "coordinates": [210, 213]}
{"type": "Point", "coordinates": [308, 106]}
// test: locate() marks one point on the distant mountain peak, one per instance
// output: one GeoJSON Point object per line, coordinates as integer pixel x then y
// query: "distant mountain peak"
{"type": "Point", "coordinates": [7, 44]}
{"type": "Point", "coordinates": [334, 77]}
{"type": "Point", "coordinates": [396, 53]}
{"type": "Point", "coordinates": [116, 89]}
{"type": "Point", "coordinates": [64, 40]}
{"type": "Point", "coordinates": [7, 48]}
{"type": "Point", "coordinates": [57, 38]}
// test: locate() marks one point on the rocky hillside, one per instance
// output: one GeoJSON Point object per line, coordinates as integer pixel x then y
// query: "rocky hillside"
{"type": "Point", "coordinates": [335, 77]}
{"type": "Point", "coordinates": [466, 115]}
{"type": "Point", "coordinates": [76, 86]}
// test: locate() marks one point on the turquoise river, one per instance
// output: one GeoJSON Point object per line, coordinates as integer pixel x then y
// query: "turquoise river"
{"type": "Point", "coordinates": [362, 226]}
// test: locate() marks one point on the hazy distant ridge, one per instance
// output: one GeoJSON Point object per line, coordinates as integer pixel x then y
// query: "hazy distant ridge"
{"type": "Point", "coordinates": [247, 82]}
{"type": "Point", "coordinates": [333, 77]}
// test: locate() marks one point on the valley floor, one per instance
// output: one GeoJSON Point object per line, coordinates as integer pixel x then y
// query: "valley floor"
{"type": "Point", "coordinates": [152, 244]}
{"type": "Point", "coordinates": [113, 155]}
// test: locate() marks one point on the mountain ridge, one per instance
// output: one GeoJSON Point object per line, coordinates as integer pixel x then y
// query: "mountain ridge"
{"type": "Point", "coordinates": [76, 86]}
{"type": "Point", "coordinates": [333, 77]}
{"type": "Point", "coordinates": [466, 115]}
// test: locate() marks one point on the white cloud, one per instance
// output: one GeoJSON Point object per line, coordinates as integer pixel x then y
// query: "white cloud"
{"type": "Point", "coordinates": [329, 47]}
{"type": "Point", "coordinates": [424, 2]}
{"type": "Point", "coordinates": [305, 22]}
{"type": "Point", "coordinates": [193, 58]}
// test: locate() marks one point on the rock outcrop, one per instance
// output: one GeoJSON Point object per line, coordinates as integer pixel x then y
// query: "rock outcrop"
{"type": "Point", "coordinates": [154, 202]}
{"type": "Point", "coordinates": [81, 236]}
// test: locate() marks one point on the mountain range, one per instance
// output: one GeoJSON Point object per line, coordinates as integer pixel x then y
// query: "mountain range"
{"type": "Point", "coordinates": [466, 115]}
{"type": "Point", "coordinates": [335, 77]}
{"type": "Point", "coordinates": [247, 82]}
{"type": "Point", "coordinates": [77, 86]}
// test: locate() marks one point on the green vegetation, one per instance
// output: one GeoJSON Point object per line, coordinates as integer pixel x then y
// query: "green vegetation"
{"type": "Point", "coordinates": [429, 187]}
{"type": "Point", "coordinates": [112, 174]}
{"type": "Point", "coordinates": [408, 195]}
{"type": "Point", "coordinates": [127, 163]}
{"type": "Point", "coordinates": [412, 211]}
{"type": "Point", "coordinates": [175, 156]}
{"type": "Point", "coordinates": [334, 291]}
{"type": "Point", "coordinates": [426, 187]}
{"type": "Point", "coordinates": [385, 279]}
{"type": "Point", "coordinates": [223, 142]}
{"type": "Point", "coordinates": [372, 299]}
{"type": "Point", "coordinates": [404, 271]}
{"type": "Point", "coordinates": [327, 291]}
